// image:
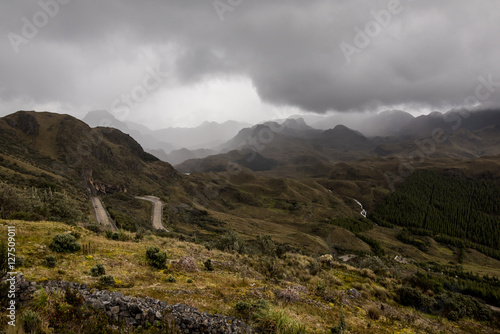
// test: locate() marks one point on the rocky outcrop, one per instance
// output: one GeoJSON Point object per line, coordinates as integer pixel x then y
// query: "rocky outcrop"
{"type": "Point", "coordinates": [137, 312]}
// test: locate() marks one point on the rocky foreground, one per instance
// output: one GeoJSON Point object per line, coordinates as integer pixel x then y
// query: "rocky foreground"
{"type": "Point", "coordinates": [135, 312]}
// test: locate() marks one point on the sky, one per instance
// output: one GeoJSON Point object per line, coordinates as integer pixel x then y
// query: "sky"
{"type": "Point", "coordinates": [169, 63]}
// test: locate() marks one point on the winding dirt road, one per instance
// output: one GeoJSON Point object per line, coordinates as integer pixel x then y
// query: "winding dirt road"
{"type": "Point", "coordinates": [101, 215]}
{"type": "Point", "coordinates": [157, 214]}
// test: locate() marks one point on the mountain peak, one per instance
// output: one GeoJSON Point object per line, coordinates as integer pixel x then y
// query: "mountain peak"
{"type": "Point", "coordinates": [296, 123]}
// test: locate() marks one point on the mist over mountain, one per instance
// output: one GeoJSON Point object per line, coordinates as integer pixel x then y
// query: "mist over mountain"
{"type": "Point", "coordinates": [208, 135]}
{"type": "Point", "coordinates": [293, 142]}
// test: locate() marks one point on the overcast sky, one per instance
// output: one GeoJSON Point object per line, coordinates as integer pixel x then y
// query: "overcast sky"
{"type": "Point", "coordinates": [181, 62]}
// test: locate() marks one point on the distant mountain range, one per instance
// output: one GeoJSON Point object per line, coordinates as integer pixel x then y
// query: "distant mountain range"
{"type": "Point", "coordinates": [173, 145]}
{"type": "Point", "coordinates": [292, 140]}
{"type": "Point", "coordinates": [294, 143]}
{"type": "Point", "coordinates": [271, 174]}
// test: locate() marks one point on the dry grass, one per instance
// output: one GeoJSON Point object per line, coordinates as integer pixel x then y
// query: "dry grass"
{"type": "Point", "coordinates": [234, 279]}
{"type": "Point", "coordinates": [374, 312]}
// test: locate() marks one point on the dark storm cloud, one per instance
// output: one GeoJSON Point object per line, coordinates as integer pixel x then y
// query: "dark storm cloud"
{"type": "Point", "coordinates": [426, 53]}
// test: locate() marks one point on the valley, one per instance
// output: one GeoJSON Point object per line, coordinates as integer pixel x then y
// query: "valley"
{"type": "Point", "coordinates": [280, 206]}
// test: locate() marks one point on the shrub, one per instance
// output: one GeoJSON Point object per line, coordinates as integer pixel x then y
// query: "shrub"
{"type": "Point", "coordinates": [231, 241]}
{"type": "Point", "coordinates": [368, 273]}
{"type": "Point", "coordinates": [40, 298]}
{"type": "Point", "coordinates": [62, 243]}
{"type": "Point", "coordinates": [266, 245]}
{"type": "Point", "coordinates": [97, 270]}
{"type": "Point", "coordinates": [107, 280]}
{"type": "Point", "coordinates": [409, 296]}
{"type": "Point", "coordinates": [243, 308]}
{"type": "Point", "coordinates": [155, 257]}
{"type": "Point", "coordinates": [31, 321]}
{"type": "Point", "coordinates": [380, 293]}
{"type": "Point", "coordinates": [271, 268]}
{"type": "Point", "coordinates": [320, 289]}
{"type": "Point", "coordinates": [300, 288]}
{"type": "Point", "coordinates": [73, 297]}
{"type": "Point", "coordinates": [187, 263]}
{"type": "Point", "coordinates": [252, 310]}
{"type": "Point", "coordinates": [94, 228]}
{"type": "Point", "coordinates": [139, 236]}
{"type": "Point", "coordinates": [208, 265]}
{"type": "Point", "coordinates": [50, 261]}
{"type": "Point", "coordinates": [314, 267]}
{"type": "Point", "coordinates": [327, 260]}
{"type": "Point", "coordinates": [189, 280]}
{"type": "Point", "coordinates": [374, 263]}
{"type": "Point", "coordinates": [288, 295]}
{"type": "Point", "coordinates": [279, 321]}
{"type": "Point", "coordinates": [341, 327]}
{"type": "Point", "coordinates": [77, 235]}
{"type": "Point", "coordinates": [374, 312]}
{"type": "Point", "coordinates": [171, 279]}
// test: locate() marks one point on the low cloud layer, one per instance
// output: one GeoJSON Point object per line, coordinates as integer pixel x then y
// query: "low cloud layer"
{"type": "Point", "coordinates": [313, 56]}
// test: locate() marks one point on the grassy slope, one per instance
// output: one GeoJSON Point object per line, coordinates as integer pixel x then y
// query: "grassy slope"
{"type": "Point", "coordinates": [474, 261]}
{"type": "Point", "coordinates": [234, 279]}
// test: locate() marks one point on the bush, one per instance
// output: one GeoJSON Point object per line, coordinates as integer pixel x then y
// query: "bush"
{"type": "Point", "coordinates": [266, 245]}
{"type": "Point", "coordinates": [231, 241]}
{"type": "Point", "coordinates": [368, 273]}
{"type": "Point", "coordinates": [139, 236]}
{"type": "Point", "coordinates": [380, 293]}
{"type": "Point", "coordinates": [409, 296]}
{"type": "Point", "coordinates": [251, 310]}
{"type": "Point", "coordinates": [171, 279]}
{"type": "Point", "coordinates": [189, 280]}
{"type": "Point", "coordinates": [279, 321]}
{"type": "Point", "coordinates": [155, 257]}
{"type": "Point", "coordinates": [73, 297]}
{"type": "Point", "coordinates": [456, 306]}
{"type": "Point", "coordinates": [243, 308]}
{"type": "Point", "coordinates": [50, 261]}
{"type": "Point", "coordinates": [187, 263]}
{"type": "Point", "coordinates": [107, 280]}
{"type": "Point", "coordinates": [374, 312]}
{"type": "Point", "coordinates": [62, 243]}
{"type": "Point", "coordinates": [374, 263]}
{"type": "Point", "coordinates": [208, 265]}
{"type": "Point", "coordinates": [94, 228]}
{"type": "Point", "coordinates": [327, 260]}
{"type": "Point", "coordinates": [341, 327]}
{"type": "Point", "coordinates": [77, 235]}
{"type": "Point", "coordinates": [288, 295]}
{"type": "Point", "coordinates": [97, 270]}
{"type": "Point", "coordinates": [31, 321]}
